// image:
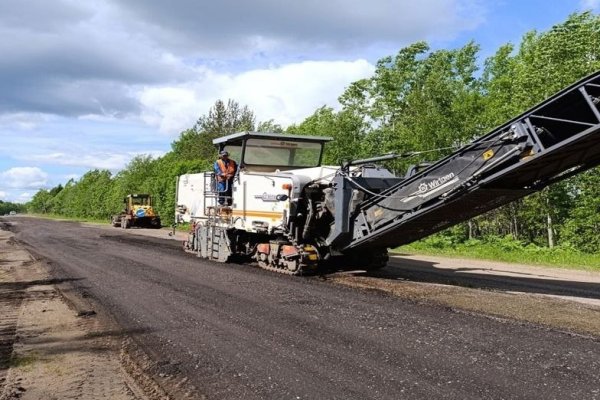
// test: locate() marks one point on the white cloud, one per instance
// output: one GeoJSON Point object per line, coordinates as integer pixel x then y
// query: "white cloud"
{"type": "Point", "coordinates": [14, 196]}
{"type": "Point", "coordinates": [23, 178]}
{"type": "Point", "coordinates": [589, 4]}
{"type": "Point", "coordinates": [78, 58]}
{"type": "Point", "coordinates": [171, 109]}
{"type": "Point", "coordinates": [287, 94]}
{"type": "Point", "coordinates": [231, 27]}
{"type": "Point", "coordinates": [91, 160]}
{"type": "Point", "coordinates": [24, 121]}
{"type": "Point", "coordinates": [292, 92]}
{"type": "Point", "coordinates": [68, 177]}
{"type": "Point", "coordinates": [23, 197]}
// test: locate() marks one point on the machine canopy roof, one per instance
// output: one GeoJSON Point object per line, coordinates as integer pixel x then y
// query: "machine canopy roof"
{"type": "Point", "coordinates": [236, 138]}
{"type": "Point", "coordinates": [273, 151]}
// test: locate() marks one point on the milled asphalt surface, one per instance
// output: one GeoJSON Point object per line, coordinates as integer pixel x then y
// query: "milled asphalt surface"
{"type": "Point", "coordinates": [577, 285]}
{"type": "Point", "coordinates": [236, 331]}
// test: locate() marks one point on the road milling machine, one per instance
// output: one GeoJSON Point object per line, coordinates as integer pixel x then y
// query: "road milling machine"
{"type": "Point", "coordinates": [291, 214]}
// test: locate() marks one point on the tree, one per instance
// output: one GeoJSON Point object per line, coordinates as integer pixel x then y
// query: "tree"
{"type": "Point", "coordinates": [6, 207]}
{"type": "Point", "coordinates": [545, 63]}
{"type": "Point", "coordinates": [582, 226]}
{"type": "Point", "coordinates": [221, 120]}
{"type": "Point", "coordinates": [418, 100]}
{"type": "Point", "coordinates": [345, 127]}
{"type": "Point", "coordinates": [269, 126]}
{"type": "Point", "coordinates": [40, 203]}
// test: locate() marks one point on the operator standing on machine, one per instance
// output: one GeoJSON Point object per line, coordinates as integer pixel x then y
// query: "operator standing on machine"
{"type": "Point", "coordinates": [225, 170]}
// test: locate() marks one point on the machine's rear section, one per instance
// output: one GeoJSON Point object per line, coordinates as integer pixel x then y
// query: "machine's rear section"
{"type": "Point", "coordinates": [555, 140]}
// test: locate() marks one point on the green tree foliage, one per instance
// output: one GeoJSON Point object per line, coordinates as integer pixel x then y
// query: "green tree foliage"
{"type": "Point", "coordinates": [269, 126]}
{"type": "Point", "coordinates": [222, 119]}
{"type": "Point", "coordinates": [514, 81]}
{"type": "Point", "coordinates": [346, 128]}
{"type": "Point", "coordinates": [6, 207]}
{"type": "Point", "coordinates": [41, 202]}
{"type": "Point", "coordinates": [582, 225]}
{"type": "Point", "coordinates": [418, 100]}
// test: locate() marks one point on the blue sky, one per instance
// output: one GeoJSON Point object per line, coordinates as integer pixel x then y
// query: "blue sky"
{"type": "Point", "coordinates": [87, 85]}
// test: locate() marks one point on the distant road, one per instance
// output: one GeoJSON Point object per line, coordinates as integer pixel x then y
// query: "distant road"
{"type": "Point", "coordinates": [240, 332]}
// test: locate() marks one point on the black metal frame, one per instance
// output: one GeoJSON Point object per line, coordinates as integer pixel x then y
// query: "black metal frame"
{"type": "Point", "coordinates": [556, 139]}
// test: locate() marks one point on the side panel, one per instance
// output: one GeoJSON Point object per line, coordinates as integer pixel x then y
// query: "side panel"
{"type": "Point", "coordinates": [190, 197]}
{"type": "Point", "coordinates": [260, 202]}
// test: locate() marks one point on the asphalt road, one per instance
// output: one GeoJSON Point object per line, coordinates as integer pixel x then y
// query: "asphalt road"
{"type": "Point", "coordinates": [578, 285]}
{"type": "Point", "coordinates": [239, 332]}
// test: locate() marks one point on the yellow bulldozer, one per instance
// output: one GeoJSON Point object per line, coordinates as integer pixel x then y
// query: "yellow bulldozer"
{"type": "Point", "coordinates": [138, 212]}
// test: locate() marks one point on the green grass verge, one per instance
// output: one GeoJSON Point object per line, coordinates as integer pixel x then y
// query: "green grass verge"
{"type": "Point", "coordinates": [181, 227]}
{"type": "Point", "coordinates": [506, 250]}
{"type": "Point", "coordinates": [23, 361]}
{"type": "Point", "coordinates": [74, 219]}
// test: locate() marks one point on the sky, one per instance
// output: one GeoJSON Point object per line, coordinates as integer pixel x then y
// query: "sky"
{"type": "Point", "coordinates": [91, 84]}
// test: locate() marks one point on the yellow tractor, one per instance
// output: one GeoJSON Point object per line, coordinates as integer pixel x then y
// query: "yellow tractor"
{"type": "Point", "coordinates": [138, 212]}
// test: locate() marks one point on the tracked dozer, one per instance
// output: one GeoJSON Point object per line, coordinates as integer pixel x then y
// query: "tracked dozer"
{"type": "Point", "coordinates": [291, 214]}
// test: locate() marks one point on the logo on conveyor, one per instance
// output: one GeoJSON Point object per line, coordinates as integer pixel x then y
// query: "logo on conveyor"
{"type": "Point", "coordinates": [428, 186]}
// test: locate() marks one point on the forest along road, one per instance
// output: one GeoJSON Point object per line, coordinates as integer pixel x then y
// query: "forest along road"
{"type": "Point", "coordinates": [235, 331]}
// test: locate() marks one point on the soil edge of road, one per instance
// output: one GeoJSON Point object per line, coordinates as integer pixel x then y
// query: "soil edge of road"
{"type": "Point", "coordinates": [57, 342]}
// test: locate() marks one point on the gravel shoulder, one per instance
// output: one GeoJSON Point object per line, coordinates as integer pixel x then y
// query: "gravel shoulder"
{"type": "Point", "coordinates": [46, 350]}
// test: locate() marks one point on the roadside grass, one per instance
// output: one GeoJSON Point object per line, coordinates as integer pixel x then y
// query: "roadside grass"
{"type": "Point", "coordinates": [74, 219]}
{"type": "Point", "coordinates": [24, 361]}
{"type": "Point", "coordinates": [185, 227]}
{"type": "Point", "coordinates": [505, 250]}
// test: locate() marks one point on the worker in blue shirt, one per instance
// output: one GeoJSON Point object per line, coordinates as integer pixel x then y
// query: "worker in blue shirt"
{"type": "Point", "coordinates": [225, 170]}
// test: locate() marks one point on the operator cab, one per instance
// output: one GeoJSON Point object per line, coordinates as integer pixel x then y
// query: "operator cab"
{"type": "Point", "coordinates": [271, 152]}
{"type": "Point", "coordinates": [138, 199]}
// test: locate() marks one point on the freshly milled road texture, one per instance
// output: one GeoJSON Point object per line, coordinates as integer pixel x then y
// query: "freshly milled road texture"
{"type": "Point", "coordinates": [240, 332]}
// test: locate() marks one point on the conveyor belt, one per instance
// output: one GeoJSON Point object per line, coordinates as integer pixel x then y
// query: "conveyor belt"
{"type": "Point", "coordinates": [554, 140]}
